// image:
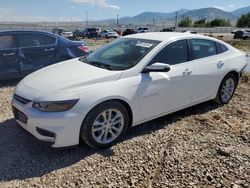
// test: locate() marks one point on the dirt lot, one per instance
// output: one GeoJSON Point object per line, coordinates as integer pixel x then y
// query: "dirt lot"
{"type": "Point", "coordinates": [203, 146]}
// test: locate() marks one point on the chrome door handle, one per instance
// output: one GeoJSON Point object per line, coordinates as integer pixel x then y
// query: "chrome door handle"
{"type": "Point", "coordinates": [187, 72]}
{"type": "Point", "coordinates": [48, 49]}
{"type": "Point", "coordinates": [9, 54]}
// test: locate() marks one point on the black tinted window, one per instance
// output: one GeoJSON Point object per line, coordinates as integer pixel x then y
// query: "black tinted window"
{"type": "Point", "coordinates": [174, 53]}
{"type": "Point", "coordinates": [203, 48]}
{"type": "Point", "coordinates": [7, 41]}
{"type": "Point", "coordinates": [221, 48]}
{"type": "Point", "coordinates": [28, 40]}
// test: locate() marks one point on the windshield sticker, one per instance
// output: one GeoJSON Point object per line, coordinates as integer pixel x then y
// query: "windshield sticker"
{"type": "Point", "coordinates": [144, 44]}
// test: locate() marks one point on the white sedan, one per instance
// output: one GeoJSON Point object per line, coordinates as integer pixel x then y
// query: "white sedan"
{"type": "Point", "coordinates": [108, 34]}
{"type": "Point", "coordinates": [131, 80]}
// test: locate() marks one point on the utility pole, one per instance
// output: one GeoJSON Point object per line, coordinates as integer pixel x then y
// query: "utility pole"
{"type": "Point", "coordinates": [87, 19]}
{"type": "Point", "coordinates": [176, 20]}
{"type": "Point", "coordinates": [117, 20]}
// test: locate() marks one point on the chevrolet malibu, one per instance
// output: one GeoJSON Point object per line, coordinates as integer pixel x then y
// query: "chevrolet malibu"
{"type": "Point", "coordinates": [134, 79]}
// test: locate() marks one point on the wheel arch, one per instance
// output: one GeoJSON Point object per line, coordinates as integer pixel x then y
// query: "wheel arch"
{"type": "Point", "coordinates": [123, 101]}
{"type": "Point", "coordinates": [235, 73]}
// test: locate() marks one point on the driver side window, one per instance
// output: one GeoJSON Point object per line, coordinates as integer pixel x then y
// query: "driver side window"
{"type": "Point", "coordinates": [172, 54]}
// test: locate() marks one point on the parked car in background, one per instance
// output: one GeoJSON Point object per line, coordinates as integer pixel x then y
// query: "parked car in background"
{"type": "Point", "coordinates": [191, 32]}
{"type": "Point", "coordinates": [79, 33]}
{"type": "Point", "coordinates": [67, 34]}
{"type": "Point", "coordinates": [119, 32]}
{"type": "Point", "coordinates": [128, 32]}
{"type": "Point", "coordinates": [142, 30]}
{"type": "Point", "coordinates": [108, 34]}
{"type": "Point", "coordinates": [62, 32]}
{"type": "Point", "coordinates": [234, 31]}
{"type": "Point", "coordinates": [22, 52]}
{"type": "Point", "coordinates": [92, 32]}
{"type": "Point", "coordinates": [242, 34]}
{"type": "Point", "coordinates": [129, 81]}
{"type": "Point", "coordinates": [167, 30]}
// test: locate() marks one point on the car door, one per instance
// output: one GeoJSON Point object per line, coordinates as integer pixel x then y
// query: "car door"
{"type": "Point", "coordinates": [36, 50]}
{"type": "Point", "coordinates": [163, 92]}
{"type": "Point", "coordinates": [8, 56]}
{"type": "Point", "coordinates": [209, 67]}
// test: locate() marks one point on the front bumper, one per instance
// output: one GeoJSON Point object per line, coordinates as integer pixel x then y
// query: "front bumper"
{"type": "Point", "coordinates": [61, 129]}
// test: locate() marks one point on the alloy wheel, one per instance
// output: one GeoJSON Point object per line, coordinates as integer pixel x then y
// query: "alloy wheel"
{"type": "Point", "coordinates": [227, 90]}
{"type": "Point", "coordinates": [107, 126]}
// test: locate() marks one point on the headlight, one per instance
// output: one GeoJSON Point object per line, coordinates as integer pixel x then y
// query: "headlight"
{"type": "Point", "coordinates": [55, 106]}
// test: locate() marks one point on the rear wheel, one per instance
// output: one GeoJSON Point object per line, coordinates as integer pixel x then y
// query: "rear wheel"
{"type": "Point", "coordinates": [226, 89]}
{"type": "Point", "coordinates": [105, 125]}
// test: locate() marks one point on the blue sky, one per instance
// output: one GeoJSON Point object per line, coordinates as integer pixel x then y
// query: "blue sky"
{"type": "Point", "coordinates": [67, 10]}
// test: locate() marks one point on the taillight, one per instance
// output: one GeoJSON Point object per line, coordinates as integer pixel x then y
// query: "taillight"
{"type": "Point", "coordinates": [83, 48]}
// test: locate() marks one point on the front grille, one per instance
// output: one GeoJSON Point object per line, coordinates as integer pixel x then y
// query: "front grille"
{"type": "Point", "coordinates": [20, 116]}
{"type": "Point", "coordinates": [21, 99]}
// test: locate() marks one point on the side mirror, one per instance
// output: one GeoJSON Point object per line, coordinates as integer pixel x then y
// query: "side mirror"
{"type": "Point", "coordinates": [157, 67]}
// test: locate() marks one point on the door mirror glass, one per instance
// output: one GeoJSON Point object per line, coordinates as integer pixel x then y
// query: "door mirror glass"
{"type": "Point", "coordinates": [157, 67]}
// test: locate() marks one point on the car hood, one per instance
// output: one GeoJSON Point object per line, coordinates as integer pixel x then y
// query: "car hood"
{"type": "Point", "coordinates": [69, 76]}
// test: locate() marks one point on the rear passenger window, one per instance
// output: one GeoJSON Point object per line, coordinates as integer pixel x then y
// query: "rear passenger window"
{"type": "Point", "coordinates": [174, 53]}
{"type": "Point", "coordinates": [221, 48]}
{"type": "Point", "coordinates": [203, 48]}
{"type": "Point", "coordinates": [33, 40]}
{"type": "Point", "coordinates": [7, 41]}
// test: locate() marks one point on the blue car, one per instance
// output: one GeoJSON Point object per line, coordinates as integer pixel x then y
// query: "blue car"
{"type": "Point", "coordinates": [22, 52]}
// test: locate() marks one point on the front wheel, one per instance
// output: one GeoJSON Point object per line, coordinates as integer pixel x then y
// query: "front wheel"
{"type": "Point", "coordinates": [105, 125]}
{"type": "Point", "coordinates": [226, 89]}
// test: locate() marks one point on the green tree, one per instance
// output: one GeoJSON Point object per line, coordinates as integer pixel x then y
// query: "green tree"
{"type": "Point", "coordinates": [220, 22]}
{"type": "Point", "coordinates": [200, 23]}
{"type": "Point", "coordinates": [185, 22]}
{"type": "Point", "coordinates": [244, 20]}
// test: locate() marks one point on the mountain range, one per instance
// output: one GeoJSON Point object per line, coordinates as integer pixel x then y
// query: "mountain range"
{"type": "Point", "coordinates": [197, 14]}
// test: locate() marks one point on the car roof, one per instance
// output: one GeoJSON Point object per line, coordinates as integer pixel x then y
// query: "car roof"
{"type": "Point", "coordinates": [30, 31]}
{"type": "Point", "coordinates": [160, 36]}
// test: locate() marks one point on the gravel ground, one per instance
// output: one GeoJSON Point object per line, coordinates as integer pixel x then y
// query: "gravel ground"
{"type": "Point", "coordinates": [203, 146]}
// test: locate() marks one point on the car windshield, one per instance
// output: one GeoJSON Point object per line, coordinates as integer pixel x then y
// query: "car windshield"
{"type": "Point", "coordinates": [121, 54]}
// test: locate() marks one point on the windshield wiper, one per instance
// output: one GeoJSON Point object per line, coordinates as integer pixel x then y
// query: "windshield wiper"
{"type": "Point", "coordinates": [99, 64]}
{"type": "Point", "coordinates": [96, 63]}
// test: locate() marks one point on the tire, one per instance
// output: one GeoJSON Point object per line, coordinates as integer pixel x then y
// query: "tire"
{"type": "Point", "coordinates": [226, 89]}
{"type": "Point", "coordinates": [96, 131]}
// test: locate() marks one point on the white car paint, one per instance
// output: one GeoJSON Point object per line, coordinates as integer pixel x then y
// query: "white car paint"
{"type": "Point", "coordinates": [109, 34]}
{"type": "Point", "coordinates": [149, 95]}
{"type": "Point", "coordinates": [66, 34]}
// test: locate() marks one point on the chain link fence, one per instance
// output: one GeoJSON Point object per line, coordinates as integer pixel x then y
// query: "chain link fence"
{"type": "Point", "coordinates": [48, 26]}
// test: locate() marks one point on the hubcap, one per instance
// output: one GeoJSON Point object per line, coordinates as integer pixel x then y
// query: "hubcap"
{"type": "Point", "coordinates": [107, 126]}
{"type": "Point", "coordinates": [227, 89]}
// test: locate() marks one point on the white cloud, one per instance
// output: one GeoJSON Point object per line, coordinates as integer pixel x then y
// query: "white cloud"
{"type": "Point", "coordinates": [100, 3]}
{"type": "Point", "coordinates": [231, 6]}
{"type": "Point", "coordinates": [10, 15]}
